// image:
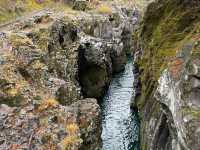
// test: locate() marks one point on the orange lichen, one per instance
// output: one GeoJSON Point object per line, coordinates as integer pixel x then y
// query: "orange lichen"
{"type": "Point", "coordinates": [175, 67]}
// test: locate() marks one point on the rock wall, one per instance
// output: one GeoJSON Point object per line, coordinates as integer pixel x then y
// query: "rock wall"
{"type": "Point", "coordinates": [168, 60]}
{"type": "Point", "coordinates": [51, 69]}
{"type": "Point", "coordinates": [103, 49]}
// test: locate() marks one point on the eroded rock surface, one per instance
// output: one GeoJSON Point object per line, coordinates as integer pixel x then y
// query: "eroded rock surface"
{"type": "Point", "coordinates": [52, 66]}
{"type": "Point", "coordinates": [168, 61]}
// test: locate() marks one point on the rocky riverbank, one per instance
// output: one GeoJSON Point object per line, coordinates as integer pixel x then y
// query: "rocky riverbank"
{"type": "Point", "coordinates": [168, 59]}
{"type": "Point", "coordinates": [52, 66]}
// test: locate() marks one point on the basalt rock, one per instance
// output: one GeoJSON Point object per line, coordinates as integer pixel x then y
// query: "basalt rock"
{"type": "Point", "coordinates": [118, 56]}
{"type": "Point", "coordinates": [95, 67]}
{"type": "Point", "coordinates": [56, 126]}
{"type": "Point", "coordinates": [47, 68]}
{"type": "Point", "coordinates": [89, 122]}
{"type": "Point", "coordinates": [168, 63]}
{"type": "Point", "coordinates": [62, 58]}
{"type": "Point", "coordinates": [104, 53]}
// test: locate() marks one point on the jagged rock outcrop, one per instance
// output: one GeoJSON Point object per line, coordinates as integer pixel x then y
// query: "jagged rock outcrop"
{"type": "Point", "coordinates": [95, 67]}
{"type": "Point", "coordinates": [168, 60]}
{"type": "Point", "coordinates": [103, 52]}
{"type": "Point", "coordinates": [49, 65]}
{"type": "Point", "coordinates": [50, 125]}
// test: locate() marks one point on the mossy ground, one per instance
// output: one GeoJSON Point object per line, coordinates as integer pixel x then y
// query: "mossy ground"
{"type": "Point", "coordinates": [10, 10]}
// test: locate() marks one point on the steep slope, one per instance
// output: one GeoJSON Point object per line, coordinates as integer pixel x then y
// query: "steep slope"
{"type": "Point", "coordinates": [168, 59]}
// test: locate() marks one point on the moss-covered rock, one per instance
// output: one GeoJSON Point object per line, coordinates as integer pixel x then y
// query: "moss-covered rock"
{"type": "Point", "coordinates": [168, 29]}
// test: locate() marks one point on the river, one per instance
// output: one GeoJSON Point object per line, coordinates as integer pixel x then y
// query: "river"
{"type": "Point", "coordinates": [120, 123]}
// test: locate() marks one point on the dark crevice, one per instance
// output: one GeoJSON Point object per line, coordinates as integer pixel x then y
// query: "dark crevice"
{"type": "Point", "coordinates": [61, 39]}
{"type": "Point", "coordinates": [196, 77]}
{"type": "Point", "coordinates": [162, 135]}
{"type": "Point", "coordinates": [24, 73]}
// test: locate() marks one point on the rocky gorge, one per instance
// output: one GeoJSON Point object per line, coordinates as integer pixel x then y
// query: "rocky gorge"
{"type": "Point", "coordinates": [66, 81]}
{"type": "Point", "coordinates": [54, 68]}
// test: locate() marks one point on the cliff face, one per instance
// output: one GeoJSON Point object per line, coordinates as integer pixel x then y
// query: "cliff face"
{"type": "Point", "coordinates": [50, 64]}
{"type": "Point", "coordinates": [168, 59]}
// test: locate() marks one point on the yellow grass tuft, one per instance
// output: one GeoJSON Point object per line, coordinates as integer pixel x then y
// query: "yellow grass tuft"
{"type": "Point", "coordinates": [17, 40]}
{"type": "Point", "coordinates": [72, 128]}
{"type": "Point", "coordinates": [104, 9]}
{"type": "Point", "coordinates": [49, 103]}
{"type": "Point", "coordinates": [12, 92]}
{"type": "Point", "coordinates": [69, 141]}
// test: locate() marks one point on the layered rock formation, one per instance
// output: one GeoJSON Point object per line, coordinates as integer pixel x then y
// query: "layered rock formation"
{"type": "Point", "coordinates": [168, 59]}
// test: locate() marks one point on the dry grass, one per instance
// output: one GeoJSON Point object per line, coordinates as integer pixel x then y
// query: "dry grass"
{"type": "Point", "coordinates": [17, 40]}
{"type": "Point", "coordinates": [72, 128]}
{"type": "Point", "coordinates": [10, 10]}
{"type": "Point", "coordinates": [12, 92]}
{"type": "Point", "coordinates": [104, 9]}
{"type": "Point", "coordinates": [48, 103]}
{"type": "Point", "coordinates": [70, 141]}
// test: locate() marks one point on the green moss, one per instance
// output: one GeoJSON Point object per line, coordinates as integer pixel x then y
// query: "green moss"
{"type": "Point", "coordinates": [188, 111]}
{"type": "Point", "coordinates": [11, 99]}
{"type": "Point", "coordinates": [12, 9]}
{"type": "Point", "coordinates": [166, 26]}
{"type": "Point", "coordinates": [41, 38]}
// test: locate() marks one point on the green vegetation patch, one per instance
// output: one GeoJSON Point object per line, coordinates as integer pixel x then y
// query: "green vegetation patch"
{"type": "Point", "coordinates": [10, 9]}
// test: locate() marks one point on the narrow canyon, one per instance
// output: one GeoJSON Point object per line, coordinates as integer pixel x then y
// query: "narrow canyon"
{"type": "Point", "coordinates": [99, 75]}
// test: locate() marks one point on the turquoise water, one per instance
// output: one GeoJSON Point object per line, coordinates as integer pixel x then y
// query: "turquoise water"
{"type": "Point", "coordinates": [120, 123]}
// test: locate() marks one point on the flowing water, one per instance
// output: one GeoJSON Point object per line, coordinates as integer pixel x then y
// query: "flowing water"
{"type": "Point", "coordinates": [120, 123]}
